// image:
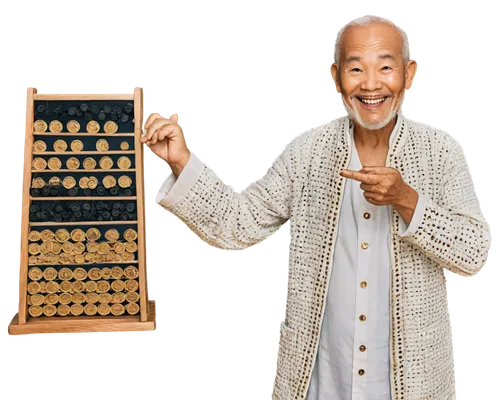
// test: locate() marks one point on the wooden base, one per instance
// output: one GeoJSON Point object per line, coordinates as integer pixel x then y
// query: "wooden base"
{"type": "Point", "coordinates": [84, 323]}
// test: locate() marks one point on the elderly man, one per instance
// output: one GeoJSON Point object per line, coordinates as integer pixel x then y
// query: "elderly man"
{"type": "Point", "coordinates": [378, 206]}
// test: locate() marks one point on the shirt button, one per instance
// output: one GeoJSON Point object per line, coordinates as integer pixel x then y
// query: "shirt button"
{"type": "Point", "coordinates": [362, 317]}
{"type": "Point", "coordinates": [364, 245]}
{"type": "Point", "coordinates": [363, 284]}
{"type": "Point", "coordinates": [366, 215]}
{"type": "Point", "coordinates": [361, 372]}
{"type": "Point", "coordinates": [362, 347]}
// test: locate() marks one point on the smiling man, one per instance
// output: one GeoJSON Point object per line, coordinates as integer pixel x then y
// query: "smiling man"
{"type": "Point", "coordinates": [379, 205]}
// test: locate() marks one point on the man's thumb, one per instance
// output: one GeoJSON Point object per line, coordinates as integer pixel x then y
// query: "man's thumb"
{"type": "Point", "coordinates": [174, 118]}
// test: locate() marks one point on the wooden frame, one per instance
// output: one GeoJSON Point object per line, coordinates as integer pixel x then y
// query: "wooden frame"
{"type": "Point", "coordinates": [145, 319]}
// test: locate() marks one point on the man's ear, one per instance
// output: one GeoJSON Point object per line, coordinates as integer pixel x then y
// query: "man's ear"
{"type": "Point", "coordinates": [334, 70]}
{"type": "Point", "coordinates": [410, 71]}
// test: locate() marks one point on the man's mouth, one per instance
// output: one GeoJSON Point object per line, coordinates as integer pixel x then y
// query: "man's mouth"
{"type": "Point", "coordinates": [372, 102]}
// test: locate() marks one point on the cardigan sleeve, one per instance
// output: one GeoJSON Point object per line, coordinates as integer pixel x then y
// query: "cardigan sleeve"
{"type": "Point", "coordinates": [453, 231]}
{"type": "Point", "coordinates": [223, 217]}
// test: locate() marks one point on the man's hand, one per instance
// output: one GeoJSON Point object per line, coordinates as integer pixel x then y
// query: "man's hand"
{"type": "Point", "coordinates": [385, 186]}
{"type": "Point", "coordinates": [166, 139]}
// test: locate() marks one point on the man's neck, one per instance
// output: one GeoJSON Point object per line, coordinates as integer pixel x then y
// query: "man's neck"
{"type": "Point", "coordinates": [373, 139]}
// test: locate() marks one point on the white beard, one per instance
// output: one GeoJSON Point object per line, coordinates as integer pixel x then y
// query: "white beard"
{"type": "Point", "coordinates": [354, 115]}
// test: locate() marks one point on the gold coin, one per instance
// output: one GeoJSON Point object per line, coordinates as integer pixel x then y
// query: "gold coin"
{"type": "Point", "coordinates": [39, 163]}
{"type": "Point", "coordinates": [37, 299]}
{"type": "Point", "coordinates": [34, 248]}
{"type": "Point", "coordinates": [131, 272]}
{"type": "Point", "coordinates": [117, 309]}
{"type": "Point", "coordinates": [132, 297]}
{"type": "Point", "coordinates": [52, 287]}
{"type": "Point", "coordinates": [80, 273]}
{"type": "Point", "coordinates": [43, 286]}
{"type": "Point", "coordinates": [33, 287]}
{"type": "Point", "coordinates": [93, 126]}
{"type": "Point", "coordinates": [39, 146]}
{"type": "Point", "coordinates": [103, 309]}
{"type": "Point", "coordinates": [90, 309]}
{"type": "Point", "coordinates": [35, 311]}
{"type": "Point", "coordinates": [73, 126]}
{"type": "Point", "coordinates": [69, 182]}
{"type": "Point", "coordinates": [56, 248]}
{"type": "Point", "coordinates": [55, 181]}
{"type": "Point", "coordinates": [65, 274]}
{"type": "Point", "coordinates": [67, 247]}
{"type": "Point", "coordinates": [104, 298]}
{"type": "Point", "coordinates": [93, 234]}
{"type": "Point", "coordinates": [83, 182]}
{"type": "Point", "coordinates": [95, 274]}
{"type": "Point", "coordinates": [47, 247]}
{"type": "Point", "coordinates": [124, 162]}
{"type": "Point", "coordinates": [54, 163]}
{"type": "Point", "coordinates": [63, 310]}
{"type": "Point", "coordinates": [112, 235]}
{"type": "Point", "coordinates": [78, 286]}
{"type": "Point", "coordinates": [102, 287]}
{"type": "Point", "coordinates": [117, 297]}
{"type": "Point", "coordinates": [78, 235]}
{"type": "Point", "coordinates": [89, 163]}
{"type": "Point", "coordinates": [47, 234]}
{"type": "Point", "coordinates": [131, 285]}
{"type": "Point", "coordinates": [90, 286]}
{"type": "Point", "coordinates": [103, 248]}
{"type": "Point", "coordinates": [79, 259]}
{"type": "Point", "coordinates": [116, 272]}
{"type": "Point", "coordinates": [132, 308]}
{"type": "Point", "coordinates": [49, 310]}
{"type": "Point", "coordinates": [105, 273]}
{"type": "Point", "coordinates": [79, 248]}
{"type": "Point", "coordinates": [32, 260]}
{"type": "Point", "coordinates": [38, 183]}
{"type": "Point", "coordinates": [60, 145]}
{"type": "Point", "coordinates": [72, 163]}
{"type": "Point", "coordinates": [111, 256]}
{"type": "Point", "coordinates": [92, 297]}
{"type": "Point", "coordinates": [76, 145]}
{"type": "Point", "coordinates": [124, 146]}
{"type": "Point", "coordinates": [62, 235]}
{"type": "Point", "coordinates": [102, 145]}
{"type": "Point", "coordinates": [124, 181]}
{"type": "Point", "coordinates": [127, 256]}
{"type": "Point", "coordinates": [35, 274]}
{"type": "Point", "coordinates": [130, 234]}
{"type": "Point", "coordinates": [118, 285]}
{"type": "Point", "coordinates": [34, 236]}
{"type": "Point", "coordinates": [106, 162]}
{"type": "Point", "coordinates": [40, 125]}
{"type": "Point", "coordinates": [92, 246]}
{"type": "Point", "coordinates": [119, 247]}
{"type": "Point", "coordinates": [52, 298]}
{"type": "Point", "coordinates": [109, 181]}
{"type": "Point", "coordinates": [65, 298]}
{"type": "Point", "coordinates": [110, 127]}
{"type": "Point", "coordinates": [78, 297]}
{"type": "Point", "coordinates": [92, 183]}
{"type": "Point", "coordinates": [55, 126]}
{"type": "Point", "coordinates": [50, 273]}
{"type": "Point", "coordinates": [131, 246]}
{"type": "Point", "coordinates": [76, 309]}
{"type": "Point", "coordinates": [65, 286]}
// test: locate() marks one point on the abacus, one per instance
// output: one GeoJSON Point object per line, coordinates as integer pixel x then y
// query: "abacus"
{"type": "Point", "coordinates": [83, 258]}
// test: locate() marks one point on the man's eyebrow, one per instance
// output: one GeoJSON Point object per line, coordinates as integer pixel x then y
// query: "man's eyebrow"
{"type": "Point", "coordinates": [381, 56]}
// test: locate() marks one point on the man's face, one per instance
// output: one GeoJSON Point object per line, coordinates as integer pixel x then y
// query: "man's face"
{"type": "Point", "coordinates": [372, 67]}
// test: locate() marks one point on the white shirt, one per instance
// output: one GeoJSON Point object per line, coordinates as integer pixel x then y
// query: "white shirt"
{"type": "Point", "coordinates": [361, 255]}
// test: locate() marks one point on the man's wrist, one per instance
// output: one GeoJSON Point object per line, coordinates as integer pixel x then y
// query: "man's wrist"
{"type": "Point", "coordinates": [179, 166]}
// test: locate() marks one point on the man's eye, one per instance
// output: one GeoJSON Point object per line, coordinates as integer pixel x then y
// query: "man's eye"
{"type": "Point", "coordinates": [387, 67]}
{"type": "Point", "coordinates": [355, 69]}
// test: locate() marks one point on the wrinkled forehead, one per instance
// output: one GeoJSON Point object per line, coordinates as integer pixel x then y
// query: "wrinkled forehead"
{"type": "Point", "coordinates": [371, 41]}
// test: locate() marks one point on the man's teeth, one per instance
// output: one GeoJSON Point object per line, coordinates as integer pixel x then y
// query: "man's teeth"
{"type": "Point", "coordinates": [372, 101]}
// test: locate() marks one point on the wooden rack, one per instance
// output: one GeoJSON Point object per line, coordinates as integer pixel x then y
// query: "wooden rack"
{"type": "Point", "coordinates": [145, 319]}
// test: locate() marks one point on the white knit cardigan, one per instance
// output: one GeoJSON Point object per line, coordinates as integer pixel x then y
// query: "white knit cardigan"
{"type": "Point", "coordinates": [304, 186]}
